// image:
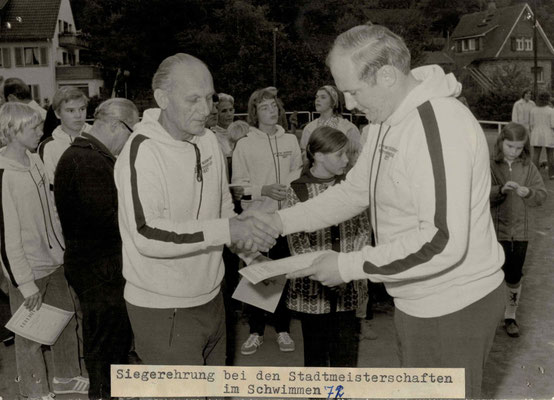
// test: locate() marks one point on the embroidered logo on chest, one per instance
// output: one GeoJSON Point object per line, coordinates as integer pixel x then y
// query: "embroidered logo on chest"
{"type": "Point", "coordinates": [388, 151]}
{"type": "Point", "coordinates": [206, 164]}
{"type": "Point", "coordinates": [284, 154]}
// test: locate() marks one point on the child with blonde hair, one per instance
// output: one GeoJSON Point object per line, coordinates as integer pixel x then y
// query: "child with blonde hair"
{"type": "Point", "coordinates": [31, 237]}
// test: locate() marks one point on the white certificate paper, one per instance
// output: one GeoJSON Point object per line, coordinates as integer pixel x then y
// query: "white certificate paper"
{"type": "Point", "coordinates": [268, 269]}
{"type": "Point", "coordinates": [42, 326]}
{"type": "Point", "coordinates": [264, 295]}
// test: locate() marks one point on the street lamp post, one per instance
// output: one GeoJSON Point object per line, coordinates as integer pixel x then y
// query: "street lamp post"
{"type": "Point", "coordinates": [275, 56]}
{"type": "Point", "coordinates": [535, 62]}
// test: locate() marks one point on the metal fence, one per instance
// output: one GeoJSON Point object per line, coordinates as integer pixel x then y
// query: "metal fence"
{"type": "Point", "coordinates": [305, 117]}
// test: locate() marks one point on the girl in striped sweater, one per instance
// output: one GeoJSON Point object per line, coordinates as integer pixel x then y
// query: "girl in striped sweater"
{"type": "Point", "coordinates": [328, 315]}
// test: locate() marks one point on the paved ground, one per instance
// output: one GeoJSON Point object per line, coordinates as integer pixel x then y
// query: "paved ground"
{"type": "Point", "coordinates": [517, 368]}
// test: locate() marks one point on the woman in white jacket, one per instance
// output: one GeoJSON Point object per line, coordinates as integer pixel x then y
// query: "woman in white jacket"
{"type": "Point", "coordinates": [264, 164]}
{"type": "Point", "coordinates": [328, 103]}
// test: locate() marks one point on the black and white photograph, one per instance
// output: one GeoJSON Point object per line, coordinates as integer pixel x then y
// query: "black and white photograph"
{"type": "Point", "coordinates": [347, 187]}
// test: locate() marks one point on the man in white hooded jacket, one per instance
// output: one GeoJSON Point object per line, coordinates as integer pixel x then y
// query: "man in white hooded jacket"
{"type": "Point", "coordinates": [424, 173]}
{"type": "Point", "coordinates": [175, 215]}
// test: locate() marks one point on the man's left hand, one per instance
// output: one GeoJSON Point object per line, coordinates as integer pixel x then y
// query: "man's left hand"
{"type": "Point", "coordinates": [324, 269]}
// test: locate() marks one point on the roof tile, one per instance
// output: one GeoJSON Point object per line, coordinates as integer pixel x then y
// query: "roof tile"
{"type": "Point", "coordinates": [29, 20]}
{"type": "Point", "coordinates": [477, 24]}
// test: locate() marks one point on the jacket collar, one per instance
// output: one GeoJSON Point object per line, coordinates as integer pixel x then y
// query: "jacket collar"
{"type": "Point", "coordinates": [87, 140]}
{"type": "Point", "coordinates": [307, 177]}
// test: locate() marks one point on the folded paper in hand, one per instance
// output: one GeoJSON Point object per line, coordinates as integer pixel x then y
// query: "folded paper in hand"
{"type": "Point", "coordinates": [264, 295]}
{"type": "Point", "coordinates": [42, 326]}
{"type": "Point", "coordinates": [258, 272]}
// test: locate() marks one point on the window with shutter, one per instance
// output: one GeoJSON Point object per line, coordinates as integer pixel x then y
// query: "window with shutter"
{"type": "Point", "coordinates": [459, 46]}
{"type": "Point", "coordinates": [18, 56]}
{"type": "Point", "coordinates": [44, 56]}
{"type": "Point", "coordinates": [5, 57]}
{"type": "Point", "coordinates": [528, 44]}
{"type": "Point", "coordinates": [31, 56]}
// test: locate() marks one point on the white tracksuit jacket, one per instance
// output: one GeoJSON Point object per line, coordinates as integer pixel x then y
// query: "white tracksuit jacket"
{"type": "Point", "coordinates": [424, 173]}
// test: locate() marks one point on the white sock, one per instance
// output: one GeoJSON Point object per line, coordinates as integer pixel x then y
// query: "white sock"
{"type": "Point", "coordinates": [512, 301]}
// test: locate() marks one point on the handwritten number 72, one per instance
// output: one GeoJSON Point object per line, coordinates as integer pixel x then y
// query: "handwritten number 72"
{"type": "Point", "coordinates": [334, 393]}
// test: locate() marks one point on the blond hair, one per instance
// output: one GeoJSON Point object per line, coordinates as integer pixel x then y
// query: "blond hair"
{"type": "Point", "coordinates": [14, 117]}
{"type": "Point", "coordinates": [67, 93]}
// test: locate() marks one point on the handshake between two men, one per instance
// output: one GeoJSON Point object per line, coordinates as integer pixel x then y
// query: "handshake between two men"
{"type": "Point", "coordinates": [254, 231]}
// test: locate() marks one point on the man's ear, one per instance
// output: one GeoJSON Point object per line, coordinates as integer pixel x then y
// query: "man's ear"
{"type": "Point", "coordinates": [387, 75]}
{"type": "Point", "coordinates": [161, 98]}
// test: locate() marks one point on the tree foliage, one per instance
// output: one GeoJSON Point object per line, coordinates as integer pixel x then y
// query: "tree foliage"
{"type": "Point", "coordinates": [235, 37]}
{"type": "Point", "coordinates": [509, 81]}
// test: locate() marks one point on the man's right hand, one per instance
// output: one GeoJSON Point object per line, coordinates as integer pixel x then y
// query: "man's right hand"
{"type": "Point", "coordinates": [276, 191]}
{"type": "Point", "coordinates": [251, 233]}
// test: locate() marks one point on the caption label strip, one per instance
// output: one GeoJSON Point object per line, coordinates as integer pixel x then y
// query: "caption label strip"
{"type": "Point", "coordinates": [286, 382]}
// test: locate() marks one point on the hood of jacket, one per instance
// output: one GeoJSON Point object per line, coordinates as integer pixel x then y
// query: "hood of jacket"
{"type": "Point", "coordinates": [434, 83]}
{"type": "Point", "coordinates": [255, 133]}
{"type": "Point", "coordinates": [12, 165]}
{"type": "Point", "coordinates": [59, 134]}
{"type": "Point", "coordinates": [151, 128]}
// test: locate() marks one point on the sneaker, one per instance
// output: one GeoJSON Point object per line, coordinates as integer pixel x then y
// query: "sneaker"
{"type": "Point", "coordinates": [251, 345]}
{"type": "Point", "coordinates": [512, 328]}
{"type": "Point", "coordinates": [285, 342]}
{"type": "Point", "coordinates": [49, 396]}
{"type": "Point", "coordinates": [78, 384]}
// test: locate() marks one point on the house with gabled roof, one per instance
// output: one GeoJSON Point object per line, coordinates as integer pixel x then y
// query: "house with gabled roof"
{"type": "Point", "coordinates": [40, 45]}
{"type": "Point", "coordinates": [483, 43]}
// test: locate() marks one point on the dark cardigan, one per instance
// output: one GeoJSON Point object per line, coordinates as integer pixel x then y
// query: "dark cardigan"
{"type": "Point", "coordinates": [86, 200]}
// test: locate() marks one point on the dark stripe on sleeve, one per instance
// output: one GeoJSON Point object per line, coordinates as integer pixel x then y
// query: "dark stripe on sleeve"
{"type": "Point", "coordinates": [3, 253]}
{"type": "Point", "coordinates": [440, 240]}
{"type": "Point", "coordinates": [145, 230]}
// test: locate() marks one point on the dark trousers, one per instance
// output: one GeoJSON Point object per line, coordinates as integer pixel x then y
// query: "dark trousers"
{"type": "Point", "coordinates": [515, 252]}
{"type": "Point", "coordinates": [180, 336]}
{"type": "Point", "coordinates": [330, 340]}
{"type": "Point", "coordinates": [228, 286]}
{"type": "Point", "coordinates": [107, 331]}
{"type": "Point", "coordinates": [281, 316]}
{"type": "Point", "coordinates": [462, 339]}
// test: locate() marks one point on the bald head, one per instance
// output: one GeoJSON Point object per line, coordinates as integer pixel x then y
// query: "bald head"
{"type": "Point", "coordinates": [177, 64]}
{"type": "Point", "coordinates": [184, 89]}
{"type": "Point", "coordinates": [113, 122]}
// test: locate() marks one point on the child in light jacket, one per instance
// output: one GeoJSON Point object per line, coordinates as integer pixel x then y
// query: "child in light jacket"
{"type": "Point", "coordinates": [32, 256]}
